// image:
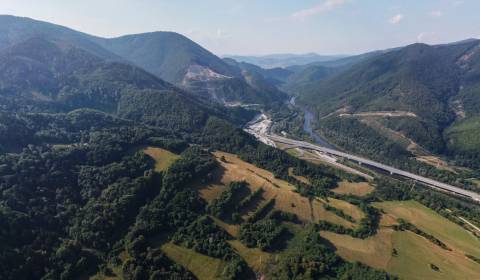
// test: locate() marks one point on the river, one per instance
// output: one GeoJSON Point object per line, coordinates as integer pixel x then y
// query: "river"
{"type": "Point", "coordinates": [307, 126]}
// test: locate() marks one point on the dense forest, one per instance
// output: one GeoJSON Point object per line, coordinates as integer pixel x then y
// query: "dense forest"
{"type": "Point", "coordinates": [437, 85]}
{"type": "Point", "coordinates": [75, 196]}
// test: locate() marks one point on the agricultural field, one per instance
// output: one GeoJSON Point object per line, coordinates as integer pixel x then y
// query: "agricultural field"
{"type": "Point", "coordinates": [351, 188]}
{"type": "Point", "coordinates": [431, 222]}
{"type": "Point", "coordinates": [203, 267]}
{"type": "Point", "coordinates": [255, 258]}
{"type": "Point", "coordinates": [163, 158]}
{"type": "Point", "coordinates": [409, 255]}
{"type": "Point", "coordinates": [346, 207]}
{"type": "Point", "coordinates": [299, 178]}
{"type": "Point", "coordinates": [286, 199]}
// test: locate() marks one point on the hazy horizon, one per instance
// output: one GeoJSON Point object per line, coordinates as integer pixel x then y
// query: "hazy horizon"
{"type": "Point", "coordinates": [252, 28]}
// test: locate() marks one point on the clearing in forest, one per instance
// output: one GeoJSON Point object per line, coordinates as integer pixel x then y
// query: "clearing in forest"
{"type": "Point", "coordinates": [431, 222]}
{"type": "Point", "coordinates": [163, 158]}
{"type": "Point", "coordinates": [202, 266]}
{"type": "Point", "coordinates": [352, 188]}
{"type": "Point", "coordinates": [411, 256]}
{"type": "Point", "coordinates": [255, 258]}
{"type": "Point", "coordinates": [286, 199]}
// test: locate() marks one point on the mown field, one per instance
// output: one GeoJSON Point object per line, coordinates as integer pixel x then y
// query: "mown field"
{"type": "Point", "coordinates": [286, 199]}
{"type": "Point", "coordinates": [402, 253]}
{"type": "Point", "coordinates": [163, 158]}
{"type": "Point", "coordinates": [357, 189]}
{"type": "Point", "coordinates": [409, 255]}
{"type": "Point", "coordinates": [203, 267]}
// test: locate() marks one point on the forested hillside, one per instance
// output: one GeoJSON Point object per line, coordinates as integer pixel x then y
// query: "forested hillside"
{"type": "Point", "coordinates": [436, 88]}
{"type": "Point", "coordinates": [77, 196]}
{"type": "Point", "coordinates": [38, 75]}
{"type": "Point", "coordinates": [178, 60]}
{"type": "Point", "coordinates": [168, 56]}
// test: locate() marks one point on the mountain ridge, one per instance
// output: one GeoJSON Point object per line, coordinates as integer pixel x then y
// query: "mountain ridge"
{"type": "Point", "coordinates": [427, 80]}
{"type": "Point", "coordinates": [167, 55]}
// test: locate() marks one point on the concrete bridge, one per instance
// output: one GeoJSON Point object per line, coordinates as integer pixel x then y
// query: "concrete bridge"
{"type": "Point", "coordinates": [392, 170]}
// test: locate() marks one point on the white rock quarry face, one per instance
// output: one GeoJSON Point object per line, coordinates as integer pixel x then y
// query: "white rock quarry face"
{"type": "Point", "coordinates": [465, 59]}
{"type": "Point", "coordinates": [202, 74]}
{"type": "Point", "coordinates": [260, 127]}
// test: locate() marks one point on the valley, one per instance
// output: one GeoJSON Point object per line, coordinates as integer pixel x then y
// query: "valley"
{"type": "Point", "coordinates": [264, 134]}
{"type": "Point", "coordinates": [147, 156]}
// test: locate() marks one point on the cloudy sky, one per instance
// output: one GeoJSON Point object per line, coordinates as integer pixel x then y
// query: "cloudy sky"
{"type": "Point", "coordinates": [268, 26]}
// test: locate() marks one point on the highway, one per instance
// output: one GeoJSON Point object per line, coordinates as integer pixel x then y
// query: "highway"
{"type": "Point", "coordinates": [393, 171]}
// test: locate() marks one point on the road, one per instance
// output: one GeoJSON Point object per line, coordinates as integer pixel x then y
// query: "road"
{"type": "Point", "coordinates": [393, 171]}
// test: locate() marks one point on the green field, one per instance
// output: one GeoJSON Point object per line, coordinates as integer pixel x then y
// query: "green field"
{"type": "Point", "coordinates": [203, 267]}
{"type": "Point", "coordinates": [464, 135]}
{"type": "Point", "coordinates": [432, 223]}
{"type": "Point", "coordinates": [357, 189]}
{"type": "Point", "coordinates": [415, 254]}
{"type": "Point", "coordinates": [255, 258]}
{"type": "Point", "coordinates": [163, 158]}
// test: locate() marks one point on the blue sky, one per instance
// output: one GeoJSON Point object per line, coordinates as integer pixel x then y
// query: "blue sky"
{"type": "Point", "coordinates": [268, 26]}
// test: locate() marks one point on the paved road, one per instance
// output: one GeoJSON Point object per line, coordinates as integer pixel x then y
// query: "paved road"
{"type": "Point", "coordinates": [393, 171]}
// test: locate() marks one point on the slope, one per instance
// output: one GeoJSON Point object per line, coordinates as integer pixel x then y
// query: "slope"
{"type": "Point", "coordinates": [438, 84]}
{"type": "Point", "coordinates": [38, 75]}
{"type": "Point", "coordinates": [184, 63]}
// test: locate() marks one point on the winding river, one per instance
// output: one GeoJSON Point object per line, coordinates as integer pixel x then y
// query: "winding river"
{"type": "Point", "coordinates": [308, 128]}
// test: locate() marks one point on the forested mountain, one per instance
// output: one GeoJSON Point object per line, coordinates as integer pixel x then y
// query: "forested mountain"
{"type": "Point", "coordinates": [186, 64]}
{"type": "Point", "coordinates": [169, 56]}
{"type": "Point", "coordinates": [285, 60]}
{"type": "Point", "coordinates": [436, 88]}
{"type": "Point", "coordinates": [38, 75]}
{"type": "Point", "coordinates": [14, 30]}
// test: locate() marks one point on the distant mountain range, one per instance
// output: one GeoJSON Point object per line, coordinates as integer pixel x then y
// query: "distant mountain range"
{"type": "Point", "coordinates": [285, 60]}
{"type": "Point", "coordinates": [169, 56]}
{"type": "Point", "coordinates": [165, 79]}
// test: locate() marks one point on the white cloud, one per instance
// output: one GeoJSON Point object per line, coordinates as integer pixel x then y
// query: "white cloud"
{"type": "Point", "coordinates": [436, 13]}
{"type": "Point", "coordinates": [427, 37]}
{"type": "Point", "coordinates": [323, 7]}
{"type": "Point", "coordinates": [421, 37]}
{"type": "Point", "coordinates": [222, 34]}
{"type": "Point", "coordinates": [396, 19]}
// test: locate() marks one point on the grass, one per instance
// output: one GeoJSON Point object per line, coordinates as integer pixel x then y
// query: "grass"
{"type": "Point", "coordinates": [357, 189]}
{"type": "Point", "coordinates": [229, 228]}
{"type": "Point", "coordinates": [429, 221]}
{"type": "Point", "coordinates": [415, 254]}
{"type": "Point", "coordinates": [163, 158]}
{"type": "Point", "coordinates": [203, 267]}
{"type": "Point", "coordinates": [347, 208]}
{"type": "Point", "coordinates": [464, 135]}
{"type": "Point", "coordinates": [255, 258]}
{"type": "Point", "coordinates": [374, 251]}
{"type": "Point", "coordinates": [299, 178]}
{"type": "Point", "coordinates": [117, 270]}
{"type": "Point", "coordinates": [286, 199]}
{"type": "Point", "coordinates": [476, 182]}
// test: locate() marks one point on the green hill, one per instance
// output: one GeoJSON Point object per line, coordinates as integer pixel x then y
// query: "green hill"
{"type": "Point", "coordinates": [42, 76]}
{"type": "Point", "coordinates": [167, 55]}
{"type": "Point", "coordinates": [186, 64]}
{"type": "Point", "coordinates": [437, 85]}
